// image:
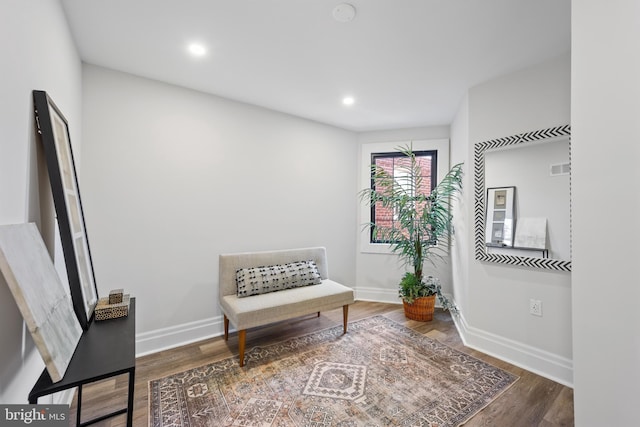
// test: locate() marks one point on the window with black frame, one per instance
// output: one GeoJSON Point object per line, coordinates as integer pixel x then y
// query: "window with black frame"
{"type": "Point", "coordinates": [402, 170]}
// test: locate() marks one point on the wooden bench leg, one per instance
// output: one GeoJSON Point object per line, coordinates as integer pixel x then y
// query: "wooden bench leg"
{"type": "Point", "coordinates": [226, 328]}
{"type": "Point", "coordinates": [242, 336]}
{"type": "Point", "coordinates": [345, 317]}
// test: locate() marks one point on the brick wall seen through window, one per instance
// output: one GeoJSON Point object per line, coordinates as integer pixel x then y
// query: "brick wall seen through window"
{"type": "Point", "coordinates": [396, 164]}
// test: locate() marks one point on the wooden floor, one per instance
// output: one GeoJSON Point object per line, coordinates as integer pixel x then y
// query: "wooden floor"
{"type": "Point", "coordinates": [531, 401]}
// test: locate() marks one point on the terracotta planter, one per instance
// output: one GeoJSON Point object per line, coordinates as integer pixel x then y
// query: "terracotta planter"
{"type": "Point", "coordinates": [421, 309]}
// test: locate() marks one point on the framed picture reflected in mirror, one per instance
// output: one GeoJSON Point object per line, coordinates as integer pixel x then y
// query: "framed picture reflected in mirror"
{"type": "Point", "coordinates": [500, 221]}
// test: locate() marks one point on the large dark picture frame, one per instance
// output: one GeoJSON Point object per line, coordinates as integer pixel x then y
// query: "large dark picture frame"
{"type": "Point", "coordinates": [54, 135]}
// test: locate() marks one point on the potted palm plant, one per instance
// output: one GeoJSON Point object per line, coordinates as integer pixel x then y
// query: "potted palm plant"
{"type": "Point", "coordinates": [421, 229]}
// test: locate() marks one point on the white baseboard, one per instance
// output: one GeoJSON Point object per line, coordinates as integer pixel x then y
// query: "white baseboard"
{"type": "Point", "coordinates": [377, 295]}
{"type": "Point", "coordinates": [540, 362]}
{"type": "Point", "coordinates": [175, 336]}
{"type": "Point", "coordinates": [384, 295]}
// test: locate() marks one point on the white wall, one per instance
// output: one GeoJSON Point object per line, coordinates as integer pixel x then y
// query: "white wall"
{"type": "Point", "coordinates": [461, 248]}
{"type": "Point", "coordinates": [494, 297]}
{"type": "Point", "coordinates": [378, 274]}
{"type": "Point", "coordinates": [37, 53]}
{"type": "Point", "coordinates": [606, 140]}
{"type": "Point", "coordinates": [175, 177]}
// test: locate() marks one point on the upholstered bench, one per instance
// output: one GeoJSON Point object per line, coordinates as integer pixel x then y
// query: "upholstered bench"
{"type": "Point", "coordinates": [258, 288]}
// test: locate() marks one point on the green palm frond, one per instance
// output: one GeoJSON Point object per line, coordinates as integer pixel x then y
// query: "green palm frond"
{"type": "Point", "coordinates": [423, 227]}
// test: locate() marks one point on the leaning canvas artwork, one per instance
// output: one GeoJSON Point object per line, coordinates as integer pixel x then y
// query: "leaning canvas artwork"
{"type": "Point", "coordinates": [43, 300]}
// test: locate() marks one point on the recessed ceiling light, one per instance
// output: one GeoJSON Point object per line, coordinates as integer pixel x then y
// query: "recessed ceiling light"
{"type": "Point", "coordinates": [348, 100]}
{"type": "Point", "coordinates": [196, 49]}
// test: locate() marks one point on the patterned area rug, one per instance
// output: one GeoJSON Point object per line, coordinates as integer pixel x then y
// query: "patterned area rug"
{"type": "Point", "coordinates": [379, 374]}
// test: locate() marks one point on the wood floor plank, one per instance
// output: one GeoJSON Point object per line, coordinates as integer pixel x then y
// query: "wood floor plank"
{"type": "Point", "coordinates": [561, 411]}
{"type": "Point", "coordinates": [531, 401]}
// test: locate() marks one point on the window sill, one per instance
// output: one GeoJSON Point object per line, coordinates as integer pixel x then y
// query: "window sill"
{"type": "Point", "coordinates": [376, 248]}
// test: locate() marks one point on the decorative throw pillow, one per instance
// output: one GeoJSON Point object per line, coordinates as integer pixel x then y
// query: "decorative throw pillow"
{"type": "Point", "coordinates": [264, 279]}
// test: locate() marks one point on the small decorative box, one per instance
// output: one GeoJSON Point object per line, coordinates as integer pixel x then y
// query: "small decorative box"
{"type": "Point", "coordinates": [104, 310]}
{"type": "Point", "coordinates": [115, 296]}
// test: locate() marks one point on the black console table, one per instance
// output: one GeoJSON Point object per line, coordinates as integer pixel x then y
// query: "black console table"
{"type": "Point", "coordinates": [106, 349]}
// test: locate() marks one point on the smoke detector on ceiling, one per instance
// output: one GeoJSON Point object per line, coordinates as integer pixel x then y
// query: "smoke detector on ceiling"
{"type": "Point", "coordinates": [344, 12]}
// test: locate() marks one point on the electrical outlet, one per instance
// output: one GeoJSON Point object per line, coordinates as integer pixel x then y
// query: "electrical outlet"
{"type": "Point", "coordinates": [535, 307]}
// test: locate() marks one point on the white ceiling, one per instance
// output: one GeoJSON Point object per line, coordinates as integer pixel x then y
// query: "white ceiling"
{"type": "Point", "coordinates": [406, 62]}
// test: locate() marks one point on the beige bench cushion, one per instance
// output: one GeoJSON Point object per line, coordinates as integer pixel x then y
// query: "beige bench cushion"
{"type": "Point", "coordinates": [276, 306]}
